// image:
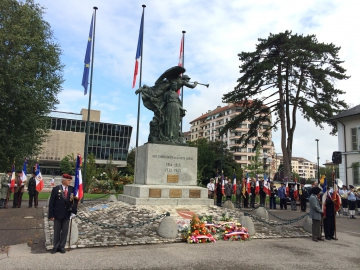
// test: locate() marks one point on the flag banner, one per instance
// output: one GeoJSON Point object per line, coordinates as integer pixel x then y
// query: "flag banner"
{"type": "Point", "coordinates": [287, 191]}
{"type": "Point", "coordinates": [244, 187]}
{"type": "Point", "coordinates": [38, 178]}
{"type": "Point", "coordinates": [248, 186]}
{"type": "Point", "coordinates": [87, 60]}
{"type": "Point", "coordinates": [336, 196]}
{"type": "Point", "coordinates": [222, 184]}
{"type": "Point", "coordinates": [138, 50]}
{"type": "Point", "coordinates": [23, 176]}
{"type": "Point", "coordinates": [324, 185]}
{"type": "Point", "coordinates": [257, 186]}
{"type": "Point", "coordinates": [78, 187]}
{"type": "Point", "coordinates": [234, 183]}
{"type": "Point", "coordinates": [296, 192]}
{"type": "Point", "coordinates": [323, 206]}
{"type": "Point", "coordinates": [266, 187]}
{"type": "Point", "coordinates": [181, 64]}
{"type": "Point", "coordinates": [13, 177]}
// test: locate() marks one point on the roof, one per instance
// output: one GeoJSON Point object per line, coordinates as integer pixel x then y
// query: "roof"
{"type": "Point", "coordinates": [350, 112]}
{"type": "Point", "coordinates": [220, 109]}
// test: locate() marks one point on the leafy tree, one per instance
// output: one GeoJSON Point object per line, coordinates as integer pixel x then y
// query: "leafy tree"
{"type": "Point", "coordinates": [285, 74]}
{"type": "Point", "coordinates": [256, 163]}
{"type": "Point", "coordinates": [212, 156]}
{"type": "Point", "coordinates": [65, 166]}
{"type": "Point", "coordinates": [130, 161]}
{"type": "Point", "coordinates": [30, 79]}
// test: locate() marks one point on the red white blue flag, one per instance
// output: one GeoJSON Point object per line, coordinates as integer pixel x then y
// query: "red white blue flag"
{"type": "Point", "coordinates": [248, 185]}
{"type": "Point", "coordinates": [23, 176]}
{"type": "Point", "coordinates": [13, 177]}
{"type": "Point", "coordinates": [257, 186]}
{"type": "Point", "coordinates": [138, 50]}
{"type": "Point", "coordinates": [266, 187]}
{"type": "Point", "coordinates": [234, 183]}
{"type": "Point", "coordinates": [78, 187]}
{"type": "Point", "coordinates": [38, 178]}
{"type": "Point", "coordinates": [181, 57]}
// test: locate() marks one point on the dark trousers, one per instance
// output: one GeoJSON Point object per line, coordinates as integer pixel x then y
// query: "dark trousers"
{"type": "Point", "coordinates": [272, 202]}
{"type": "Point", "coordinates": [218, 199]}
{"type": "Point", "coordinates": [262, 199]}
{"type": "Point", "coordinates": [246, 201]}
{"type": "Point", "coordinates": [15, 200]}
{"type": "Point", "coordinates": [211, 194]}
{"type": "Point", "coordinates": [303, 204]}
{"type": "Point", "coordinates": [329, 227]}
{"type": "Point", "coordinates": [252, 201]}
{"type": "Point", "coordinates": [228, 198]}
{"type": "Point", "coordinates": [61, 228]}
{"type": "Point", "coordinates": [33, 198]}
{"type": "Point", "coordinates": [283, 204]}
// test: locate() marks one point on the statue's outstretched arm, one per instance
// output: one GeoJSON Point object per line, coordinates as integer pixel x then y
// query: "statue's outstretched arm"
{"type": "Point", "coordinates": [191, 85]}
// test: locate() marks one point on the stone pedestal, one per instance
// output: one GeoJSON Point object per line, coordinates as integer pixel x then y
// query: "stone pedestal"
{"type": "Point", "coordinates": [165, 175]}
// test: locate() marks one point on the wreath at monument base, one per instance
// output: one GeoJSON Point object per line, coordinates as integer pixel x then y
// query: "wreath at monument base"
{"type": "Point", "coordinates": [203, 231]}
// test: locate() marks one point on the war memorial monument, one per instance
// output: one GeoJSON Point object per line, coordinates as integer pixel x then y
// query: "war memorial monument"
{"type": "Point", "coordinates": [166, 167]}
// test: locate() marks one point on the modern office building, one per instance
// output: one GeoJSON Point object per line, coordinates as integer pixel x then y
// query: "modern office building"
{"type": "Point", "coordinates": [67, 136]}
{"type": "Point", "coordinates": [209, 124]}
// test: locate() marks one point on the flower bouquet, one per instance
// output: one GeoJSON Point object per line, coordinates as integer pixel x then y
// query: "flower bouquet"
{"type": "Point", "coordinates": [198, 232]}
{"type": "Point", "coordinates": [234, 232]}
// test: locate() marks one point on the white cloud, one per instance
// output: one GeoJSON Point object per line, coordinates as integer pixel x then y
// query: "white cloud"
{"type": "Point", "coordinates": [216, 31]}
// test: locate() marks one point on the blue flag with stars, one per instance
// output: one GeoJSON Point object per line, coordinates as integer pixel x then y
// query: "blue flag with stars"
{"type": "Point", "coordinates": [85, 80]}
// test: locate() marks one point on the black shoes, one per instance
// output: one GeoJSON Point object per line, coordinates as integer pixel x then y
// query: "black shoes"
{"type": "Point", "coordinates": [61, 250]}
{"type": "Point", "coordinates": [53, 251]}
{"type": "Point", "coordinates": [328, 238]}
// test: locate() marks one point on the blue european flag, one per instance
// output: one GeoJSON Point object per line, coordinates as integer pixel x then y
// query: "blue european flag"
{"type": "Point", "coordinates": [85, 80]}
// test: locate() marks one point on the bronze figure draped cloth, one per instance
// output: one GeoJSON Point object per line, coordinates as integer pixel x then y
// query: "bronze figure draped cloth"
{"type": "Point", "coordinates": [163, 100]}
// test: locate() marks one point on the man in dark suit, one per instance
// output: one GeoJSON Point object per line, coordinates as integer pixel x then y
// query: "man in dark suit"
{"type": "Point", "coordinates": [62, 205]}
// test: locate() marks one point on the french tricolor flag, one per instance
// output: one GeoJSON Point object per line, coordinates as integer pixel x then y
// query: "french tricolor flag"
{"type": "Point", "coordinates": [248, 186]}
{"type": "Point", "coordinates": [234, 183]}
{"type": "Point", "coordinates": [23, 176]}
{"type": "Point", "coordinates": [138, 50]}
{"type": "Point", "coordinates": [78, 187]}
{"type": "Point", "coordinates": [266, 187]}
{"type": "Point", "coordinates": [181, 57]}
{"type": "Point", "coordinates": [13, 177]}
{"type": "Point", "coordinates": [257, 186]}
{"type": "Point", "coordinates": [38, 178]}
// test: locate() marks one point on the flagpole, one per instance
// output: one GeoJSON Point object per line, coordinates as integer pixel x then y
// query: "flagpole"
{"type": "Point", "coordinates": [89, 105]}
{"type": "Point", "coordinates": [183, 65]}
{"type": "Point", "coordinates": [333, 178]}
{"type": "Point", "coordinates": [140, 76]}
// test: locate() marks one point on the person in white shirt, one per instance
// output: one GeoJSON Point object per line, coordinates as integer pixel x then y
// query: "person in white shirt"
{"type": "Point", "coordinates": [211, 188]}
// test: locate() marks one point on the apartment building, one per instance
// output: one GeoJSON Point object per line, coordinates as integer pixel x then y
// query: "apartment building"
{"type": "Point", "coordinates": [209, 124]}
{"type": "Point", "coordinates": [303, 167]}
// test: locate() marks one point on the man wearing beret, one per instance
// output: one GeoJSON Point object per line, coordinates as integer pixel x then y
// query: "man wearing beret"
{"type": "Point", "coordinates": [62, 206]}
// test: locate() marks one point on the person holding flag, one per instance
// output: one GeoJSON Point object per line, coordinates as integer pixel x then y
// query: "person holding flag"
{"type": "Point", "coordinates": [329, 215]}
{"type": "Point", "coordinates": [78, 187]}
{"type": "Point", "coordinates": [244, 191]}
{"type": "Point", "coordinates": [18, 189]}
{"type": "Point", "coordinates": [273, 194]}
{"type": "Point", "coordinates": [62, 206]}
{"type": "Point", "coordinates": [38, 178]}
{"type": "Point", "coordinates": [238, 193]}
{"type": "Point", "coordinates": [253, 193]}
{"type": "Point", "coordinates": [218, 192]}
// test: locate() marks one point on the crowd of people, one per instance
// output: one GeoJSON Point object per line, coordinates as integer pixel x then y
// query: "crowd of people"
{"type": "Point", "coordinates": [16, 192]}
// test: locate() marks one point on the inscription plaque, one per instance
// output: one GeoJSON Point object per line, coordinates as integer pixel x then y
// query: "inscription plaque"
{"type": "Point", "coordinates": [194, 193]}
{"type": "Point", "coordinates": [155, 193]}
{"type": "Point", "coordinates": [172, 178]}
{"type": "Point", "coordinates": [175, 193]}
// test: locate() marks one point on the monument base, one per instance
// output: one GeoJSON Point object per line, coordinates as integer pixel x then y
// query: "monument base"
{"type": "Point", "coordinates": [165, 195]}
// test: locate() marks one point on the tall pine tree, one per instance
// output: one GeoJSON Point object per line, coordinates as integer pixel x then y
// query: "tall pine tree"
{"type": "Point", "coordinates": [285, 74]}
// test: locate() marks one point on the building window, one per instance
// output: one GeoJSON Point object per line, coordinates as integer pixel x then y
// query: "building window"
{"type": "Point", "coordinates": [355, 139]}
{"type": "Point", "coordinates": [356, 175]}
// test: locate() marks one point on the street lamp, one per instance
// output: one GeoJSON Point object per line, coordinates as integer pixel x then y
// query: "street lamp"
{"type": "Point", "coordinates": [318, 167]}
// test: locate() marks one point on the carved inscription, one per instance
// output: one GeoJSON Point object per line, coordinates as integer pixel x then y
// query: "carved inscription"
{"type": "Point", "coordinates": [154, 193]}
{"type": "Point", "coordinates": [194, 193]}
{"type": "Point", "coordinates": [173, 178]}
{"type": "Point", "coordinates": [175, 193]}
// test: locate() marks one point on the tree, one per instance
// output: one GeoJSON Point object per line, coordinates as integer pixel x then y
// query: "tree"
{"type": "Point", "coordinates": [298, 74]}
{"type": "Point", "coordinates": [256, 164]}
{"type": "Point", "coordinates": [30, 79]}
{"type": "Point", "coordinates": [212, 156]}
{"type": "Point", "coordinates": [68, 164]}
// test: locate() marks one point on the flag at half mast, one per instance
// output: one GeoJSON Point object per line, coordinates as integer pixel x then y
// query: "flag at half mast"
{"type": "Point", "coordinates": [138, 50]}
{"type": "Point", "coordinates": [87, 60]}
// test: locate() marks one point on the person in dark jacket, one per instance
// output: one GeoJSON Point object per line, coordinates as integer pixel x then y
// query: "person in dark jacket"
{"type": "Point", "coordinates": [262, 192]}
{"type": "Point", "coordinates": [62, 206]}
{"type": "Point", "coordinates": [218, 192]}
{"type": "Point", "coordinates": [303, 196]}
{"type": "Point", "coordinates": [273, 193]}
{"type": "Point", "coordinates": [33, 193]}
{"type": "Point", "coordinates": [329, 219]}
{"type": "Point", "coordinates": [253, 194]}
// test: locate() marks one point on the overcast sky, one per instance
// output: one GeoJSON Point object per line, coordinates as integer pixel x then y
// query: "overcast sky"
{"type": "Point", "coordinates": [216, 31]}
